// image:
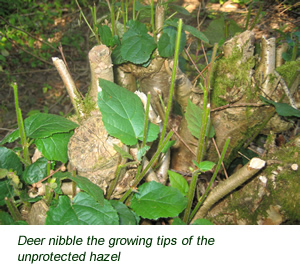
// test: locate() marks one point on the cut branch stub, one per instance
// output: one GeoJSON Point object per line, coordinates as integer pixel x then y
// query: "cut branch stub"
{"type": "Point", "coordinates": [91, 152]}
{"type": "Point", "coordinates": [70, 85]}
{"type": "Point", "coordinates": [228, 185]}
{"type": "Point", "coordinates": [266, 66]}
{"type": "Point", "coordinates": [101, 67]}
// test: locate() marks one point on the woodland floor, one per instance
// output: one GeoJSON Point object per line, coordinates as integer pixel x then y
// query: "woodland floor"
{"type": "Point", "coordinates": [55, 99]}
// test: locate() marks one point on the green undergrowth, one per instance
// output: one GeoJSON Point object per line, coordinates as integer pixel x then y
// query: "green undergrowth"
{"type": "Point", "coordinates": [289, 71]}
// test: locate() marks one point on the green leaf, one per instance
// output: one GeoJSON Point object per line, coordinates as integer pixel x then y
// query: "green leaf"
{"type": "Point", "coordinates": [62, 214]}
{"type": "Point", "coordinates": [215, 30]}
{"type": "Point", "coordinates": [44, 125]}
{"type": "Point", "coordinates": [193, 117]}
{"type": "Point", "coordinates": [55, 147]}
{"type": "Point", "coordinates": [202, 222]}
{"type": "Point", "coordinates": [123, 153]}
{"type": "Point", "coordinates": [11, 137]}
{"type": "Point", "coordinates": [204, 165]}
{"type": "Point", "coordinates": [5, 218]}
{"type": "Point", "coordinates": [25, 197]}
{"type": "Point", "coordinates": [153, 131]}
{"type": "Point", "coordinates": [106, 35]}
{"type": "Point", "coordinates": [141, 152]}
{"type": "Point", "coordinates": [287, 56]}
{"type": "Point", "coordinates": [20, 222]}
{"type": "Point", "coordinates": [179, 182]}
{"type": "Point", "coordinates": [155, 200]}
{"type": "Point", "coordinates": [126, 216]}
{"type": "Point", "coordinates": [3, 173]}
{"type": "Point", "coordinates": [141, 7]}
{"type": "Point", "coordinates": [137, 44]}
{"type": "Point", "coordinates": [193, 31]}
{"type": "Point", "coordinates": [282, 109]}
{"type": "Point", "coordinates": [179, 9]}
{"type": "Point", "coordinates": [123, 114]}
{"type": "Point", "coordinates": [117, 57]}
{"type": "Point", "coordinates": [177, 221]}
{"type": "Point", "coordinates": [92, 189]}
{"type": "Point", "coordinates": [9, 160]}
{"type": "Point", "coordinates": [91, 212]}
{"type": "Point", "coordinates": [6, 190]}
{"type": "Point", "coordinates": [36, 171]}
{"type": "Point", "coordinates": [167, 42]}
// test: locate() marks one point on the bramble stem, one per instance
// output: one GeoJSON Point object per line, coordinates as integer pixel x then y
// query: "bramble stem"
{"type": "Point", "coordinates": [190, 196]}
{"type": "Point", "coordinates": [172, 82]}
{"type": "Point", "coordinates": [211, 180]}
{"type": "Point", "coordinates": [146, 119]}
{"type": "Point", "coordinates": [21, 126]}
{"type": "Point", "coordinates": [149, 165]}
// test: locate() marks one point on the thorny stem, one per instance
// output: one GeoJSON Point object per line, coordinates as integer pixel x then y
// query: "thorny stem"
{"type": "Point", "coordinates": [123, 14]}
{"type": "Point", "coordinates": [200, 150]}
{"type": "Point", "coordinates": [13, 209]}
{"type": "Point", "coordinates": [114, 183]}
{"type": "Point", "coordinates": [204, 120]}
{"type": "Point", "coordinates": [205, 127]}
{"type": "Point", "coordinates": [248, 16]}
{"type": "Point", "coordinates": [112, 17]}
{"type": "Point", "coordinates": [149, 165]}
{"type": "Point", "coordinates": [213, 57]}
{"type": "Point", "coordinates": [211, 180]}
{"type": "Point", "coordinates": [190, 196]}
{"type": "Point", "coordinates": [218, 152]}
{"type": "Point", "coordinates": [172, 82]}
{"type": "Point", "coordinates": [146, 120]}
{"type": "Point", "coordinates": [126, 10]}
{"type": "Point", "coordinates": [256, 18]}
{"type": "Point", "coordinates": [152, 20]}
{"type": "Point", "coordinates": [21, 126]}
{"type": "Point", "coordinates": [81, 12]}
{"type": "Point", "coordinates": [295, 50]}
{"type": "Point", "coordinates": [133, 10]}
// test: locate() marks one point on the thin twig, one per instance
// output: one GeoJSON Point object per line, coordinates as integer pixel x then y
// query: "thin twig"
{"type": "Point", "coordinates": [183, 142]}
{"type": "Point", "coordinates": [39, 183]}
{"type": "Point", "coordinates": [238, 106]}
{"type": "Point", "coordinates": [218, 152]}
{"type": "Point", "coordinates": [6, 129]}
{"type": "Point", "coordinates": [63, 56]}
{"type": "Point", "coordinates": [190, 58]}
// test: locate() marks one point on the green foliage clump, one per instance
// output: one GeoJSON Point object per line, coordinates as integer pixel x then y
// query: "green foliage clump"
{"type": "Point", "coordinates": [26, 28]}
{"type": "Point", "coordinates": [289, 71]}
